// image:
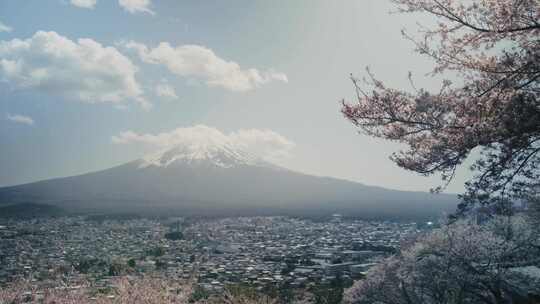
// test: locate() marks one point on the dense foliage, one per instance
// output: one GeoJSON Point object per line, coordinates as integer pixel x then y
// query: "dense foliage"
{"type": "Point", "coordinates": [174, 235]}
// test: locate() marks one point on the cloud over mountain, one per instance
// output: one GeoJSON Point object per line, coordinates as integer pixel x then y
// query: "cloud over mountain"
{"type": "Point", "coordinates": [266, 144]}
{"type": "Point", "coordinates": [201, 62]}
{"type": "Point", "coordinates": [83, 70]}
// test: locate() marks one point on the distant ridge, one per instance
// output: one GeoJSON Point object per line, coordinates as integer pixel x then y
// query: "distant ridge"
{"type": "Point", "coordinates": [216, 179]}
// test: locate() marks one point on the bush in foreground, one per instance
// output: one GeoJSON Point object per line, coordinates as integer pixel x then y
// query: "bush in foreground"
{"type": "Point", "coordinates": [126, 291]}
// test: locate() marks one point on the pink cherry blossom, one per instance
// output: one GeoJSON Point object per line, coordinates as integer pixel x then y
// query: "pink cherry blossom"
{"type": "Point", "coordinates": [494, 48]}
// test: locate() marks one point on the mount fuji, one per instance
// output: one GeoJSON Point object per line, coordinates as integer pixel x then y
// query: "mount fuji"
{"type": "Point", "coordinates": [212, 178]}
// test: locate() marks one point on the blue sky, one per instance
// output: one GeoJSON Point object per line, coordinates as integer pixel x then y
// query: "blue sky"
{"type": "Point", "coordinates": [271, 76]}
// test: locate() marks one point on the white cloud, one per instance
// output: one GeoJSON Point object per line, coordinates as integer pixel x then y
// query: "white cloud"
{"type": "Point", "coordinates": [201, 62]}
{"type": "Point", "coordinates": [90, 4]}
{"type": "Point", "coordinates": [20, 119]}
{"type": "Point", "coordinates": [266, 144]}
{"type": "Point", "coordinates": [137, 6]}
{"type": "Point", "coordinates": [165, 90]}
{"type": "Point", "coordinates": [5, 28]}
{"type": "Point", "coordinates": [83, 70]}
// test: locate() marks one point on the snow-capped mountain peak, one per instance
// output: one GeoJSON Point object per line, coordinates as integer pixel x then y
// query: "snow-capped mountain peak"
{"type": "Point", "coordinates": [208, 152]}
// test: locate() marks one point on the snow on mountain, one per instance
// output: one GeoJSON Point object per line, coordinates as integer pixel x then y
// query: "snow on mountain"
{"type": "Point", "coordinates": [207, 151]}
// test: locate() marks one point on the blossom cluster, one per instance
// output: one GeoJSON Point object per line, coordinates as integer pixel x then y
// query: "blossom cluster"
{"type": "Point", "coordinates": [494, 48]}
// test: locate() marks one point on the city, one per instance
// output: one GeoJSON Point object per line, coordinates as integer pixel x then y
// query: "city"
{"type": "Point", "coordinates": [255, 251]}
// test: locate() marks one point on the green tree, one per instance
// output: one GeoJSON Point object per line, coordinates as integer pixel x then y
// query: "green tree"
{"type": "Point", "coordinates": [329, 293]}
{"type": "Point", "coordinates": [131, 263]}
{"type": "Point", "coordinates": [174, 235]}
{"type": "Point", "coordinates": [199, 294]}
{"type": "Point", "coordinates": [160, 264]}
{"type": "Point", "coordinates": [156, 251]}
{"type": "Point", "coordinates": [116, 269]}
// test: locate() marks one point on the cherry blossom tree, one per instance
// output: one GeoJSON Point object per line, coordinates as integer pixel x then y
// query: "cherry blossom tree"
{"type": "Point", "coordinates": [126, 290]}
{"type": "Point", "coordinates": [462, 262]}
{"type": "Point", "coordinates": [493, 46]}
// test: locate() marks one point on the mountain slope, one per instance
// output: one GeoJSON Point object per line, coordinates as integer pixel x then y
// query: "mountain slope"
{"type": "Point", "coordinates": [218, 179]}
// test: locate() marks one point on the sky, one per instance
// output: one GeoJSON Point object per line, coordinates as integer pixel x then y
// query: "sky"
{"type": "Point", "coordinates": [89, 84]}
